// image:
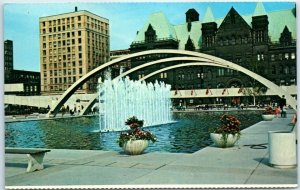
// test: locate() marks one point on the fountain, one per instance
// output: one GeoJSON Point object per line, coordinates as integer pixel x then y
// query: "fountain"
{"type": "Point", "coordinates": [124, 98]}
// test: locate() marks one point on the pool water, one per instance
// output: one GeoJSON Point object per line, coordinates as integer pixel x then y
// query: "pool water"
{"type": "Point", "coordinates": [189, 134]}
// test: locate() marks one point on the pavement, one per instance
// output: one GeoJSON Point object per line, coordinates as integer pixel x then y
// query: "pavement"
{"type": "Point", "coordinates": [239, 166]}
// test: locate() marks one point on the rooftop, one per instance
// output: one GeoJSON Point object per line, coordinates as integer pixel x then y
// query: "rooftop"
{"type": "Point", "coordinates": [165, 29]}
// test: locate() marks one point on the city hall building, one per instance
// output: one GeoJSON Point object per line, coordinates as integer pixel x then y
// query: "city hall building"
{"type": "Point", "coordinates": [71, 45]}
{"type": "Point", "coordinates": [263, 42]}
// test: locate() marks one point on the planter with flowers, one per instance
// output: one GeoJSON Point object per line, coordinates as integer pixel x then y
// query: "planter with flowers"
{"type": "Point", "coordinates": [268, 114]}
{"type": "Point", "coordinates": [136, 140]}
{"type": "Point", "coordinates": [228, 133]}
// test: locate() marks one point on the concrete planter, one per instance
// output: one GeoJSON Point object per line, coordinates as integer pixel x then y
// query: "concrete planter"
{"type": "Point", "coordinates": [268, 117]}
{"type": "Point", "coordinates": [135, 147]}
{"type": "Point", "coordinates": [282, 149]}
{"type": "Point", "coordinates": [224, 141]}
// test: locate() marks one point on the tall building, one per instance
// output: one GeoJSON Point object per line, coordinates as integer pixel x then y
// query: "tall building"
{"type": "Point", "coordinates": [71, 45]}
{"type": "Point", "coordinates": [263, 42]}
{"type": "Point", "coordinates": [8, 60]}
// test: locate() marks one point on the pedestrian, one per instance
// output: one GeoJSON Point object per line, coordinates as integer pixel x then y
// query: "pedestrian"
{"type": "Point", "coordinates": [282, 103]}
{"type": "Point", "coordinates": [283, 112]}
{"type": "Point", "coordinates": [63, 110]}
{"type": "Point", "coordinates": [277, 111]}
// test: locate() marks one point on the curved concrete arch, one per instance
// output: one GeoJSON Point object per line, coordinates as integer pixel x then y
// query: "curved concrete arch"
{"type": "Point", "coordinates": [67, 94]}
{"type": "Point", "coordinates": [209, 58]}
{"type": "Point", "coordinates": [94, 98]}
{"type": "Point", "coordinates": [221, 62]}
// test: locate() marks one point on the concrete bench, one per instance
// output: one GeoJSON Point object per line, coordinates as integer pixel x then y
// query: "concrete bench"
{"type": "Point", "coordinates": [35, 156]}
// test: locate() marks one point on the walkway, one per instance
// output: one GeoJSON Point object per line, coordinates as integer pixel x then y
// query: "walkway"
{"type": "Point", "coordinates": [211, 166]}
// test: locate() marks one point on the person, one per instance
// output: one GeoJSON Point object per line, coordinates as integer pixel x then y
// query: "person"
{"type": "Point", "coordinates": [282, 103]}
{"type": "Point", "coordinates": [283, 111]}
{"type": "Point", "coordinates": [63, 110]}
{"type": "Point", "coordinates": [294, 120]}
{"type": "Point", "coordinates": [277, 111]}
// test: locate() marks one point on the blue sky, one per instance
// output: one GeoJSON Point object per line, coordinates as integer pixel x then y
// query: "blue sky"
{"type": "Point", "coordinates": [21, 21]}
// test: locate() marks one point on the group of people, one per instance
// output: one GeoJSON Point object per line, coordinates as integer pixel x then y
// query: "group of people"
{"type": "Point", "coordinates": [72, 111]}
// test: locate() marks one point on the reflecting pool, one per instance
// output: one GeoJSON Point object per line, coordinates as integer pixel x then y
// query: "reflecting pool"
{"type": "Point", "coordinates": [189, 134]}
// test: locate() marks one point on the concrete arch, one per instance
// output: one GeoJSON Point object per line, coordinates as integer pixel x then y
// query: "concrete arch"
{"type": "Point", "coordinates": [200, 56]}
{"type": "Point", "coordinates": [223, 63]}
{"type": "Point", "coordinates": [94, 98]}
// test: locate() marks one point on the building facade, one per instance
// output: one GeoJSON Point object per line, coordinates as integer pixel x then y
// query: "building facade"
{"type": "Point", "coordinates": [262, 42]}
{"type": "Point", "coordinates": [18, 82]}
{"type": "Point", "coordinates": [71, 45]}
{"type": "Point", "coordinates": [8, 60]}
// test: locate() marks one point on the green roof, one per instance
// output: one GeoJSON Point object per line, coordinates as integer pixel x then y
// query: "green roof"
{"type": "Point", "coordinates": [208, 17]}
{"type": "Point", "coordinates": [183, 34]}
{"type": "Point", "coordinates": [277, 21]}
{"type": "Point", "coordinates": [259, 10]}
{"type": "Point", "coordinates": [160, 24]}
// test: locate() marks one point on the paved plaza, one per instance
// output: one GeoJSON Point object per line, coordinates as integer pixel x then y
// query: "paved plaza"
{"type": "Point", "coordinates": [240, 166]}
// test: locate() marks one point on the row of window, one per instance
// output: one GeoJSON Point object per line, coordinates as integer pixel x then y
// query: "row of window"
{"type": "Point", "coordinates": [211, 40]}
{"type": "Point", "coordinates": [57, 88]}
{"type": "Point", "coordinates": [65, 23]}
{"type": "Point", "coordinates": [283, 70]}
{"type": "Point", "coordinates": [61, 36]}
{"type": "Point", "coordinates": [62, 72]}
{"type": "Point", "coordinates": [31, 88]}
{"type": "Point", "coordinates": [62, 43]}
{"type": "Point", "coordinates": [63, 80]}
{"type": "Point", "coordinates": [73, 19]}
{"type": "Point", "coordinates": [73, 27]}
{"type": "Point", "coordinates": [280, 56]}
{"type": "Point", "coordinates": [189, 76]}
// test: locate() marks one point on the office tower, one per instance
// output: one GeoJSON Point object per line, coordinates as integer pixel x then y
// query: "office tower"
{"type": "Point", "coordinates": [71, 45]}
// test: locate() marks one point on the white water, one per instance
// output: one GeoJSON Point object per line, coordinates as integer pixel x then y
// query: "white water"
{"type": "Point", "coordinates": [124, 98]}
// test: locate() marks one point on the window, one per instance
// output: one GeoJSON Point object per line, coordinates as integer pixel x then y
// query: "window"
{"type": "Point", "coordinates": [286, 70]}
{"type": "Point", "coordinates": [272, 57]}
{"type": "Point", "coordinates": [293, 55]}
{"type": "Point", "coordinates": [80, 70]}
{"type": "Point", "coordinates": [163, 75]}
{"type": "Point", "coordinates": [260, 56]}
{"type": "Point", "coordinates": [221, 72]}
{"type": "Point", "coordinates": [286, 56]}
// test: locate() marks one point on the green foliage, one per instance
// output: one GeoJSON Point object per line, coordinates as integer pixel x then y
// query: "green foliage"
{"type": "Point", "coordinates": [135, 132]}
{"type": "Point", "coordinates": [229, 125]}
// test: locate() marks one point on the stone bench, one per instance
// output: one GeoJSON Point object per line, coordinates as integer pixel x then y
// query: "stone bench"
{"type": "Point", "coordinates": [35, 157]}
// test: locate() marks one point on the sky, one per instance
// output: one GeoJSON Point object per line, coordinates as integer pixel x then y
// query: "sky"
{"type": "Point", "coordinates": [21, 21]}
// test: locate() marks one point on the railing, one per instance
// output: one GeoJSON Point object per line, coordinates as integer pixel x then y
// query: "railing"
{"type": "Point", "coordinates": [156, 40]}
{"type": "Point", "coordinates": [276, 44]}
